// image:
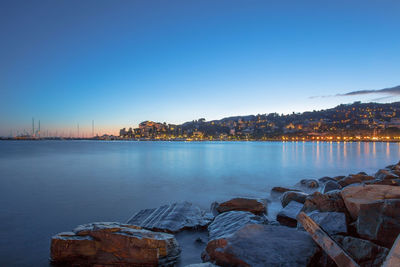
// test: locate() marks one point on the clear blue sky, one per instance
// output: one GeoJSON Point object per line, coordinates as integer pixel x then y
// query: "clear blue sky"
{"type": "Point", "coordinates": [122, 62]}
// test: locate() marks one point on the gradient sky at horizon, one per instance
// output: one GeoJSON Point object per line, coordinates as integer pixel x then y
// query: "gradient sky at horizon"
{"type": "Point", "coordinates": [123, 62]}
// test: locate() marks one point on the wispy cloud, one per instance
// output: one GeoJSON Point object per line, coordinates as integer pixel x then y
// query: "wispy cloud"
{"type": "Point", "coordinates": [392, 91]}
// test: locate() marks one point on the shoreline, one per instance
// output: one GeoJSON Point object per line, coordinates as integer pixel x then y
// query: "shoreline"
{"type": "Point", "coordinates": [242, 226]}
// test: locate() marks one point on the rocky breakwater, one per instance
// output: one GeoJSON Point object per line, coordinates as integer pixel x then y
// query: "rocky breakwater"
{"type": "Point", "coordinates": [360, 212]}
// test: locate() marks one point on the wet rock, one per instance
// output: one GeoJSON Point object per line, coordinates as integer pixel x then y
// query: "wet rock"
{"type": "Point", "coordinates": [114, 244]}
{"type": "Point", "coordinates": [242, 204]}
{"type": "Point", "coordinates": [279, 189]}
{"type": "Point", "coordinates": [288, 215]}
{"type": "Point", "coordinates": [379, 221]}
{"type": "Point", "coordinates": [330, 201]}
{"type": "Point", "coordinates": [229, 222]}
{"type": "Point", "coordinates": [205, 264]}
{"type": "Point", "coordinates": [262, 245]}
{"type": "Point", "coordinates": [332, 222]}
{"type": "Point", "coordinates": [355, 196]}
{"type": "Point", "coordinates": [293, 196]}
{"type": "Point", "coordinates": [172, 218]}
{"type": "Point", "coordinates": [330, 186]}
{"type": "Point", "coordinates": [354, 179]}
{"type": "Point", "coordinates": [393, 182]}
{"type": "Point", "coordinates": [385, 174]}
{"type": "Point", "coordinates": [364, 252]}
{"type": "Point", "coordinates": [309, 183]}
{"type": "Point", "coordinates": [326, 179]}
{"type": "Point", "coordinates": [340, 177]}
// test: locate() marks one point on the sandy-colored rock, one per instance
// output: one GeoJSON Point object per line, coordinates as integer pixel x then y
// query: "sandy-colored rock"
{"type": "Point", "coordinates": [113, 244]}
{"type": "Point", "coordinates": [262, 245]}
{"type": "Point", "coordinates": [172, 218]}
{"type": "Point", "coordinates": [242, 204]}
{"type": "Point", "coordinates": [355, 196]}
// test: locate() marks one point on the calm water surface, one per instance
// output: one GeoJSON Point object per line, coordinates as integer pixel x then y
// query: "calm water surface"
{"type": "Point", "coordinates": [51, 186]}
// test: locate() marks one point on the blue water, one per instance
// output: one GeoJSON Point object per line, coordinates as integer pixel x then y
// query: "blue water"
{"type": "Point", "coordinates": [51, 186]}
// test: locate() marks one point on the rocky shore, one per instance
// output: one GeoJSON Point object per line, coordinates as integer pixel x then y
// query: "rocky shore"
{"type": "Point", "coordinates": [359, 211]}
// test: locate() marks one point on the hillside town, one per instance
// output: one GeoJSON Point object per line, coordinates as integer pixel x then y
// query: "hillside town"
{"type": "Point", "coordinates": [346, 122]}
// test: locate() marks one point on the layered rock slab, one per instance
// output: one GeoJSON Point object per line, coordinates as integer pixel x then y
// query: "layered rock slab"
{"type": "Point", "coordinates": [262, 245]}
{"type": "Point", "coordinates": [113, 244]}
{"type": "Point", "coordinates": [172, 218]}
{"type": "Point", "coordinates": [228, 223]}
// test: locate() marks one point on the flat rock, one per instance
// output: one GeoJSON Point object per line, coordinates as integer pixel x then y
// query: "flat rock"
{"type": "Point", "coordinates": [366, 194]}
{"type": "Point", "coordinates": [242, 204]}
{"type": "Point", "coordinates": [279, 189]}
{"type": "Point", "coordinates": [289, 196]}
{"type": "Point", "coordinates": [332, 222]}
{"type": "Point", "coordinates": [288, 215]}
{"type": "Point", "coordinates": [364, 252]}
{"type": "Point", "coordinates": [379, 221]}
{"type": "Point", "coordinates": [229, 222]}
{"type": "Point", "coordinates": [330, 201]}
{"type": "Point", "coordinates": [113, 244]}
{"type": "Point", "coordinates": [262, 245]}
{"type": "Point", "coordinates": [172, 218]}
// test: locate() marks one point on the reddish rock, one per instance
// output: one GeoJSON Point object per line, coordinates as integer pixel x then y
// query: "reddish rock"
{"type": "Point", "coordinates": [354, 179]}
{"type": "Point", "coordinates": [279, 189]}
{"type": "Point", "coordinates": [262, 245]}
{"type": "Point", "coordinates": [242, 204]}
{"type": "Point", "coordinates": [354, 196]}
{"type": "Point", "coordinates": [113, 244]}
{"type": "Point", "coordinates": [331, 201]}
{"type": "Point", "coordinates": [385, 174]}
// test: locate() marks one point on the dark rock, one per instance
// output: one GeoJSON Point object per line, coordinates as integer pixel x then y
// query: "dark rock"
{"type": "Point", "coordinates": [330, 201]}
{"type": "Point", "coordinates": [367, 194]}
{"type": "Point", "coordinates": [205, 264]}
{"type": "Point", "coordinates": [288, 215]}
{"type": "Point", "coordinates": [309, 183]}
{"type": "Point", "coordinates": [172, 218]}
{"type": "Point", "coordinates": [332, 222]}
{"type": "Point", "coordinates": [326, 179]}
{"type": "Point", "coordinates": [340, 177]}
{"type": "Point", "coordinates": [114, 244]}
{"type": "Point", "coordinates": [293, 196]}
{"type": "Point", "coordinates": [262, 245]}
{"type": "Point", "coordinates": [362, 173]}
{"type": "Point", "coordinates": [364, 252]}
{"type": "Point", "coordinates": [385, 174]}
{"type": "Point", "coordinates": [393, 182]}
{"type": "Point", "coordinates": [354, 178]}
{"type": "Point", "coordinates": [330, 186]}
{"type": "Point", "coordinates": [229, 222]}
{"type": "Point", "coordinates": [380, 221]}
{"type": "Point", "coordinates": [242, 204]}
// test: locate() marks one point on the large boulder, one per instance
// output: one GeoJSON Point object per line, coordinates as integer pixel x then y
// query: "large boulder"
{"type": "Point", "coordinates": [293, 196]}
{"type": "Point", "coordinates": [332, 222]}
{"type": "Point", "coordinates": [113, 244]}
{"type": "Point", "coordinates": [262, 245]}
{"type": "Point", "coordinates": [364, 252]}
{"type": "Point", "coordinates": [172, 218]}
{"type": "Point", "coordinates": [242, 204]}
{"type": "Point", "coordinates": [380, 221]}
{"type": "Point", "coordinates": [229, 222]}
{"type": "Point", "coordinates": [328, 202]}
{"type": "Point", "coordinates": [354, 179]}
{"type": "Point", "coordinates": [288, 215]}
{"type": "Point", "coordinates": [355, 196]}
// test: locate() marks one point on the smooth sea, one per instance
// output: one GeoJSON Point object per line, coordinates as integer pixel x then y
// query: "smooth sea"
{"type": "Point", "coordinates": [48, 187]}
